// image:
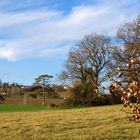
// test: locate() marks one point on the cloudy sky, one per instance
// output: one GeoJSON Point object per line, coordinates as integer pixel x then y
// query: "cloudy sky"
{"type": "Point", "coordinates": [36, 35]}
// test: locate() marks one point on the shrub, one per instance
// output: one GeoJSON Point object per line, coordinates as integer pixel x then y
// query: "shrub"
{"type": "Point", "coordinates": [52, 105]}
{"type": "Point", "coordinates": [1, 98]}
{"type": "Point", "coordinates": [78, 96]}
{"type": "Point", "coordinates": [33, 95]}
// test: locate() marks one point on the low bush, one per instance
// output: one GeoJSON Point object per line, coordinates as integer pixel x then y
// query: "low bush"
{"type": "Point", "coordinates": [1, 98]}
{"type": "Point", "coordinates": [102, 100]}
{"type": "Point", "coordinates": [33, 95]}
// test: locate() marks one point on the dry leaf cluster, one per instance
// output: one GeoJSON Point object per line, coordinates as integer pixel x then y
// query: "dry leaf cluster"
{"type": "Point", "coordinates": [128, 86]}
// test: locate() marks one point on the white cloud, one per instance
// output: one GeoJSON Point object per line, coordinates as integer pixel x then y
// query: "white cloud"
{"type": "Point", "coordinates": [43, 33]}
{"type": "Point", "coordinates": [7, 53]}
{"type": "Point", "coordinates": [9, 19]}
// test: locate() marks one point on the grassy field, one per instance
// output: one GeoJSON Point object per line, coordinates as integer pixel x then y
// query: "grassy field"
{"type": "Point", "coordinates": [20, 108]}
{"type": "Point", "coordinates": [29, 108]}
{"type": "Point", "coordinates": [94, 123]}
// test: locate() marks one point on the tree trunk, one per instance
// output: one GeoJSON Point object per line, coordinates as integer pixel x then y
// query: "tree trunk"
{"type": "Point", "coordinates": [43, 99]}
{"type": "Point", "coordinates": [25, 98]}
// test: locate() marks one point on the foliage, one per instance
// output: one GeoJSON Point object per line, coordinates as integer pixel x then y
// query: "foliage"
{"type": "Point", "coordinates": [43, 80]}
{"type": "Point", "coordinates": [33, 95]}
{"type": "Point", "coordinates": [78, 96]}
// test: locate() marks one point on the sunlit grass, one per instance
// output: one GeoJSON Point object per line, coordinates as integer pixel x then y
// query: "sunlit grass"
{"type": "Point", "coordinates": [107, 122]}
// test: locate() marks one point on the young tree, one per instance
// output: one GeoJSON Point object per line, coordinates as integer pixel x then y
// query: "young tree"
{"type": "Point", "coordinates": [44, 82]}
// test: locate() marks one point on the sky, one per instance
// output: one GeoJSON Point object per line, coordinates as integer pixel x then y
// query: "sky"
{"type": "Point", "coordinates": [36, 35]}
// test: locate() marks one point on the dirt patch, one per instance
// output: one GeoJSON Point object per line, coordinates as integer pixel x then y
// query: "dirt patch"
{"type": "Point", "coordinates": [31, 101]}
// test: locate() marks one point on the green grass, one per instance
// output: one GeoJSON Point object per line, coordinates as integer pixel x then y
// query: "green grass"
{"type": "Point", "coordinates": [94, 123]}
{"type": "Point", "coordinates": [28, 108]}
{"type": "Point", "coordinates": [20, 108]}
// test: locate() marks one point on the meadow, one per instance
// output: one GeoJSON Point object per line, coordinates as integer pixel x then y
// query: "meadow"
{"type": "Point", "coordinates": [89, 123]}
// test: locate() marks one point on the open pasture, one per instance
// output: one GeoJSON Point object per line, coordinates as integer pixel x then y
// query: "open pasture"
{"type": "Point", "coordinates": [93, 123]}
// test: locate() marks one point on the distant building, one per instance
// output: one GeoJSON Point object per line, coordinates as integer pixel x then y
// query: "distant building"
{"type": "Point", "coordinates": [3, 93]}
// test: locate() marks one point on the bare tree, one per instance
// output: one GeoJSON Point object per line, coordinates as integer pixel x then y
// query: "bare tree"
{"type": "Point", "coordinates": [129, 35]}
{"type": "Point", "coordinates": [95, 49]}
{"type": "Point", "coordinates": [129, 39]}
{"type": "Point", "coordinates": [88, 62]}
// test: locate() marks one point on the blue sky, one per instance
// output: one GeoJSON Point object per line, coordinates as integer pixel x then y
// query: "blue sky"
{"type": "Point", "coordinates": [36, 35]}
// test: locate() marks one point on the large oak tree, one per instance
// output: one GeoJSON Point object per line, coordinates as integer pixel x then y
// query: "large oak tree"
{"type": "Point", "coordinates": [87, 63]}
